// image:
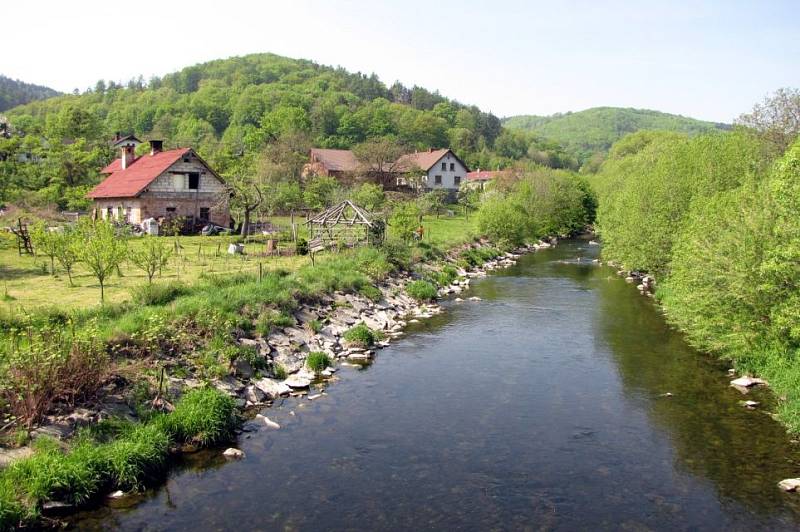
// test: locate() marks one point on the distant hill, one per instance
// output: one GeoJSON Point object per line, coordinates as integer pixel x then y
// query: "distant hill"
{"type": "Point", "coordinates": [14, 92]}
{"type": "Point", "coordinates": [585, 132]}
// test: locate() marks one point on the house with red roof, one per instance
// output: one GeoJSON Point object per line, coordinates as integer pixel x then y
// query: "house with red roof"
{"type": "Point", "coordinates": [428, 170]}
{"type": "Point", "coordinates": [480, 178]}
{"type": "Point", "coordinates": [160, 184]}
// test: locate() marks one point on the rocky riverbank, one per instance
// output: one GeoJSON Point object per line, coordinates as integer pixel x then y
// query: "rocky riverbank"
{"type": "Point", "coordinates": [279, 366]}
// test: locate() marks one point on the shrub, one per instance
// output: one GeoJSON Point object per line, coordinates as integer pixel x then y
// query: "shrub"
{"type": "Point", "coordinates": [370, 292]}
{"type": "Point", "coordinates": [158, 294]}
{"type": "Point", "coordinates": [271, 320]}
{"type": "Point", "coordinates": [360, 336]}
{"type": "Point", "coordinates": [421, 290]}
{"type": "Point", "coordinates": [203, 415]}
{"type": "Point", "coordinates": [279, 372]}
{"type": "Point", "coordinates": [502, 220]}
{"type": "Point", "coordinates": [317, 361]}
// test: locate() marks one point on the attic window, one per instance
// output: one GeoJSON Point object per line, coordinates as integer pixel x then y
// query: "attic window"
{"type": "Point", "coordinates": [186, 159]}
{"type": "Point", "coordinates": [452, 167]}
{"type": "Point", "coordinates": [444, 166]}
{"type": "Point", "coordinates": [194, 180]}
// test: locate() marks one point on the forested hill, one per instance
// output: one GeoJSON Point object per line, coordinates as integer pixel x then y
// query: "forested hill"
{"type": "Point", "coordinates": [594, 130]}
{"type": "Point", "coordinates": [231, 109]}
{"type": "Point", "coordinates": [14, 92]}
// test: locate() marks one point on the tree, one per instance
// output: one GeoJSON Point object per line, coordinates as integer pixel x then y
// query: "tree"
{"type": "Point", "coordinates": [45, 242]}
{"type": "Point", "coordinates": [469, 197]}
{"type": "Point", "coordinates": [68, 250]}
{"type": "Point", "coordinates": [379, 159]}
{"type": "Point", "coordinates": [435, 201]}
{"type": "Point", "coordinates": [152, 257]}
{"type": "Point", "coordinates": [319, 192]}
{"type": "Point", "coordinates": [370, 196]}
{"type": "Point", "coordinates": [246, 196]}
{"type": "Point", "coordinates": [405, 220]}
{"type": "Point", "coordinates": [777, 119]}
{"type": "Point", "coordinates": [101, 250]}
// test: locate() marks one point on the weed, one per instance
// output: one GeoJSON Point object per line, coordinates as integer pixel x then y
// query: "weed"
{"type": "Point", "coordinates": [421, 290]}
{"type": "Point", "coordinates": [360, 336]}
{"type": "Point", "coordinates": [317, 361]}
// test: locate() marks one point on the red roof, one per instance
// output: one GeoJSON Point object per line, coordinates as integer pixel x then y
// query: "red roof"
{"type": "Point", "coordinates": [485, 175]}
{"type": "Point", "coordinates": [335, 160]}
{"type": "Point", "coordinates": [130, 182]}
{"type": "Point", "coordinates": [423, 160]}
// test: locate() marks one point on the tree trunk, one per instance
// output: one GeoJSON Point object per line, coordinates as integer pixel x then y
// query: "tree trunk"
{"type": "Point", "coordinates": [246, 223]}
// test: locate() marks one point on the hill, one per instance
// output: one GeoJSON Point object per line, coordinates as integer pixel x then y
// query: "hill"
{"type": "Point", "coordinates": [14, 92]}
{"type": "Point", "coordinates": [584, 133]}
{"type": "Point", "coordinates": [230, 110]}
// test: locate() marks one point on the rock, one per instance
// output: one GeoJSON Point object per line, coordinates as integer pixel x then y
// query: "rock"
{"type": "Point", "coordinates": [750, 404]}
{"type": "Point", "coordinates": [668, 394]}
{"type": "Point", "coordinates": [747, 382]}
{"type": "Point", "coordinates": [298, 380]}
{"type": "Point", "coordinates": [59, 431]}
{"type": "Point", "coordinates": [272, 388]}
{"type": "Point", "coordinates": [249, 342]}
{"type": "Point", "coordinates": [51, 508]}
{"type": "Point", "coordinates": [229, 385]}
{"type": "Point", "coordinates": [253, 394]}
{"type": "Point", "coordinates": [789, 484]}
{"type": "Point", "coordinates": [268, 422]}
{"type": "Point", "coordinates": [242, 368]}
{"type": "Point", "coordinates": [458, 300]}
{"type": "Point", "coordinates": [315, 396]}
{"type": "Point", "coordinates": [116, 494]}
{"type": "Point", "coordinates": [233, 453]}
{"type": "Point", "coordinates": [475, 298]}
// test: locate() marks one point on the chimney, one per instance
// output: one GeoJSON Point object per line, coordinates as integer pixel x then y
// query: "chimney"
{"type": "Point", "coordinates": [128, 155]}
{"type": "Point", "coordinates": [156, 146]}
{"type": "Point", "coordinates": [117, 136]}
{"type": "Point", "coordinates": [430, 150]}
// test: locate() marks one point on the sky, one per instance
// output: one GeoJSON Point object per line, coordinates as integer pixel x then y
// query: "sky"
{"type": "Point", "coordinates": [706, 59]}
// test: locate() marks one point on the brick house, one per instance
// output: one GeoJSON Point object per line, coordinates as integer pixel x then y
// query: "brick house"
{"type": "Point", "coordinates": [331, 163]}
{"type": "Point", "coordinates": [160, 184]}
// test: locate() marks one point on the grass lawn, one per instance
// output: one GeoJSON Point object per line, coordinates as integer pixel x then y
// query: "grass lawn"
{"type": "Point", "coordinates": [26, 283]}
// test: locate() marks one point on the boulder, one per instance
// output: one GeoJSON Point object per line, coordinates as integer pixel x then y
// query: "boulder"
{"type": "Point", "coordinates": [242, 368]}
{"type": "Point", "coordinates": [747, 382]}
{"type": "Point", "coordinates": [272, 388]}
{"type": "Point", "coordinates": [299, 381]}
{"type": "Point", "coordinates": [789, 484]}
{"type": "Point", "coordinates": [268, 422]}
{"type": "Point", "coordinates": [233, 453]}
{"type": "Point", "coordinates": [253, 394]}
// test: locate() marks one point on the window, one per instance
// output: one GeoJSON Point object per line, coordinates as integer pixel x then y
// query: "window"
{"type": "Point", "coordinates": [109, 213]}
{"type": "Point", "coordinates": [204, 213]}
{"type": "Point", "coordinates": [444, 166]}
{"type": "Point", "coordinates": [170, 212]}
{"type": "Point", "coordinates": [437, 179]}
{"type": "Point", "coordinates": [178, 181]}
{"type": "Point", "coordinates": [457, 180]}
{"type": "Point", "coordinates": [194, 181]}
{"type": "Point", "coordinates": [452, 167]}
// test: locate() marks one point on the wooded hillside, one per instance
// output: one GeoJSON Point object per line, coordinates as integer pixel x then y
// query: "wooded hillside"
{"type": "Point", "coordinates": [594, 130]}
{"type": "Point", "coordinates": [14, 92]}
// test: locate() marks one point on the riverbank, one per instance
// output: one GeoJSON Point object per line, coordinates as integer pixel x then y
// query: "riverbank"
{"type": "Point", "coordinates": [348, 322]}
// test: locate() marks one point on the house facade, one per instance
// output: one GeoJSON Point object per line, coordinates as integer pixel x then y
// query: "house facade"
{"type": "Point", "coordinates": [480, 178]}
{"type": "Point", "coordinates": [161, 184]}
{"type": "Point", "coordinates": [331, 163]}
{"type": "Point", "coordinates": [440, 169]}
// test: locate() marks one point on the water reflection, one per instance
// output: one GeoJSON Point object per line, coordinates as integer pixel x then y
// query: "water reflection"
{"type": "Point", "coordinates": [539, 407]}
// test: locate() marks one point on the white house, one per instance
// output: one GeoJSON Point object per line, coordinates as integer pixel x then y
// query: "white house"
{"type": "Point", "coordinates": [442, 169]}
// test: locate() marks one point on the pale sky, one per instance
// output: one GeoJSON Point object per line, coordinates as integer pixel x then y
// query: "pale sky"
{"type": "Point", "coordinates": [709, 60]}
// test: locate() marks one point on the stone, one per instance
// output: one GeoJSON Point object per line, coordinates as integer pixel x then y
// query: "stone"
{"type": "Point", "coordinates": [298, 380]}
{"type": "Point", "coordinates": [116, 494]}
{"type": "Point", "coordinates": [747, 382]}
{"type": "Point", "coordinates": [750, 404]}
{"type": "Point", "coordinates": [458, 300]}
{"type": "Point", "coordinates": [789, 484]}
{"type": "Point", "coordinates": [248, 342]}
{"type": "Point", "coordinates": [268, 422]}
{"type": "Point", "coordinates": [229, 385]}
{"type": "Point", "coordinates": [315, 396]}
{"type": "Point", "coordinates": [51, 508]}
{"type": "Point", "coordinates": [242, 368]}
{"type": "Point", "coordinates": [272, 388]}
{"type": "Point", "coordinates": [475, 298]}
{"type": "Point", "coordinates": [253, 394]}
{"type": "Point", "coordinates": [233, 453]}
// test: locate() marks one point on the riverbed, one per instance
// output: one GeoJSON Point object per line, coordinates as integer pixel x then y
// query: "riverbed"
{"type": "Point", "coordinates": [560, 401]}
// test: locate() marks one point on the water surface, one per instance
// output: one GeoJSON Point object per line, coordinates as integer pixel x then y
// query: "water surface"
{"type": "Point", "coordinates": [542, 407]}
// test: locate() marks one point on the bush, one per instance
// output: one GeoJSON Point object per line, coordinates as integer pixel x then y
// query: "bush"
{"type": "Point", "coordinates": [317, 361]}
{"type": "Point", "coordinates": [360, 336]}
{"type": "Point", "coordinates": [421, 290]}
{"type": "Point", "coordinates": [158, 294]}
{"type": "Point", "coordinates": [204, 416]}
{"type": "Point", "coordinates": [502, 221]}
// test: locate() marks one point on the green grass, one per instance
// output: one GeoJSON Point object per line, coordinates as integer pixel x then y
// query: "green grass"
{"type": "Point", "coordinates": [317, 361]}
{"type": "Point", "coordinates": [134, 456]}
{"type": "Point", "coordinates": [421, 290]}
{"type": "Point", "coordinates": [360, 336]}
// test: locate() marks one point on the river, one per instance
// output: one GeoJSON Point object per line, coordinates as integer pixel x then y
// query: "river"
{"type": "Point", "coordinates": [543, 406]}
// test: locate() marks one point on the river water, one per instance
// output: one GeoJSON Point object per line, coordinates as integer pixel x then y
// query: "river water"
{"type": "Point", "coordinates": [540, 407]}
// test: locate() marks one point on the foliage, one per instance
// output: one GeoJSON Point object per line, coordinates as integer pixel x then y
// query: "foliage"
{"type": "Point", "coordinates": [776, 119]}
{"type": "Point", "coordinates": [320, 192]}
{"type": "Point", "coordinates": [360, 336]}
{"type": "Point", "coordinates": [434, 201]}
{"type": "Point", "coordinates": [404, 220]}
{"type": "Point", "coordinates": [369, 196]}
{"type": "Point", "coordinates": [421, 290]}
{"type": "Point", "coordinates": [587, 132]}
{"type": "Point", "coordinates": [317, 361]}
{"type": "Point", "coordinates": [101, 250]}
{"type": "Point", "coordinates": [158, 294]}
{"type": "Point", "coordinates": [15, 92]}
{"type": "Point", "coordinates": [45, 242]}
{"type": "Point", "coordinates": [67, 250]}
{"type": "Point", "coordinates": [203, 416]}
{"type": "Point", "coordinates": [151, 257]}
{"type": "Point", "coordinates": [502, 220]}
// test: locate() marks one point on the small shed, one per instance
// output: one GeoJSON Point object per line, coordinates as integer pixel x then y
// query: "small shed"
{"type": "Point", "coordinates": [344, 224]}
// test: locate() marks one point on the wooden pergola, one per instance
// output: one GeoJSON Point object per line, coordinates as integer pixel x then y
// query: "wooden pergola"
{"type": "Point", "coordinates": [343, 224]}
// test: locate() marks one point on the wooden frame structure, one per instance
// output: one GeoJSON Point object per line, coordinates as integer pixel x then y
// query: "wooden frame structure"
{"type": "Point", "coordinates": [344, 224]}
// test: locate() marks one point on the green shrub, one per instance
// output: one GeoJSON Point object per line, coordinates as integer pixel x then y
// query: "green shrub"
{"type": "Point", "coordinates": [159, 293]}
{"type": "Point", "coordinates": [315, 326]}
{"type": "Point", "coordinates": [370, 292]}
{"type": "Point", "coordinates": [421, 290]}
{"type": "Point", "coordinates": [360, 336]}
{"type": "Point", "coordinates": [279, 372]}
{"type": "Point", "coordinates": [203, 415]}
{"type": "Point", "coordinates": [271, 320]}
{"type": "Point", "coordinates": [317, 361]}
{"type": "Point", "coordinates": [137, 458]}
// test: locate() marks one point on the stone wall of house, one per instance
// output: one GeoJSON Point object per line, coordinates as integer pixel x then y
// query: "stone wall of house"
{"type": "Point", "coordinates": [176, 178]}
